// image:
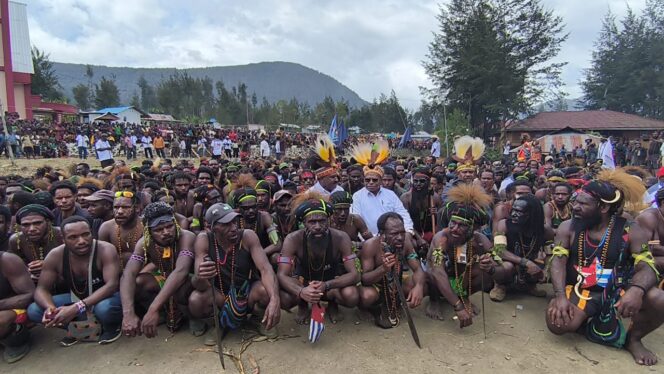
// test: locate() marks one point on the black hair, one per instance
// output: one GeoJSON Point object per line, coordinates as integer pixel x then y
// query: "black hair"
{"type": "Point", "coordinates": [62, 185]}
{"type": "Point", "coordinates": [4, 211]}
{"type": "Point", "coordinates": [564, 184]}
{"type": "Point", "coordinates": [151, 184]}
{"type": "Point", "coordinates": [44, 198]}
{"type": "Point", "coordinates": [382, 220]}
{"type": "Point", "coordinates": [23, 198]}
{"type": "Point", "coordinates": [390, 171]}
{"type": "Point", "coordinates": [354, 167]}
{"type": "Point", "coordinates": [204, 169]}
{"type": "Point", "coordinates": [535, 219]}
{"type": "Point", "coordinates": [70, 220]}
{"type": "Point", "coordinates": [659, 196]}
{"type": "Point", "coordinates": [180, 175]}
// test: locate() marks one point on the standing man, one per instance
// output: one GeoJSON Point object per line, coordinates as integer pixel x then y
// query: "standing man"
{"type": "Point", "coordinates": [264, 147]}
{"type": "Point", "coordinates": [278, 148]}
{"type": "Point", "coordinates": [82, 142]}
{"type": "Point", "coordinates": [146, 142]}
{"type": "Point", "coordinates": [435, 147]}
{"type": "Point", "coordinates": [217, 147]}
{"type": "Point", "coordinates": [159, 145]}
{"type": "Point", "coordinates": [91, 272]}
{"type": "Point", "coordinates": [104, 151]}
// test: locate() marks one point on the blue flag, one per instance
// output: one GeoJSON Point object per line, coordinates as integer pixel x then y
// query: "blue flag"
{"type": "Point", "coordinates": [406, 137]}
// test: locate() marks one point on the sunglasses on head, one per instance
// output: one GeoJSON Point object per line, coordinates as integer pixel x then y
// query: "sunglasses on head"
{"type": "Point", "coordinates": [128, 194]}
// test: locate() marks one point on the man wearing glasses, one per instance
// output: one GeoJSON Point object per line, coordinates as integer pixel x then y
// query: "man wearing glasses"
{"type": "Point", "coordinates": [373, 200]}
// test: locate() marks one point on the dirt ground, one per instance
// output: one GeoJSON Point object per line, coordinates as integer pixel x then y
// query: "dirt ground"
{"type": "Point", "coordinates": [517, 340]}
{"type": "Point", "coordinates": [353, 346]}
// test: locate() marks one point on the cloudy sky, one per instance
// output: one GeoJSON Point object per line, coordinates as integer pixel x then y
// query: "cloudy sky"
{"type": "Point", "coordinates": [370, 46]}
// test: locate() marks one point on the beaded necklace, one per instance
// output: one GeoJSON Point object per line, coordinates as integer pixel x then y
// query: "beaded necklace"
{"type": "Point", "coordinates": [392, 304]}
{"type": "Point", "coordinates": [312, 268]}
{"type": "Point", "coordinates": [129, 243]}
{"type": "Point", "coordinates": [37, 251]}
{"type": "Point", "coordinates": [172, 252]}
{"type": "Point", "coordinates": [557, 213]}
{"type": "Point", "coordinates": [531, 246]}
{"type": "Point", "coordinates": [604, 245]}
{"type": "Point", "coordinates": [242, 224]}
{"type": "Point", "coordinates": [219, 263]}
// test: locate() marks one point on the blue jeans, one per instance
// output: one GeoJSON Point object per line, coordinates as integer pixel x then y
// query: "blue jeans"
{"type": "Point", "coordinates": [83, 153]}
{"type": "Point", "coordinates": [107, 311]}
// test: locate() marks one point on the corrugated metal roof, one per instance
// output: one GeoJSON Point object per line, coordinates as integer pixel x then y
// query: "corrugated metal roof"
{"type": "Point", "coordinates": [597, 120]}
{"type": "Point", "coordinates": [114, 110]}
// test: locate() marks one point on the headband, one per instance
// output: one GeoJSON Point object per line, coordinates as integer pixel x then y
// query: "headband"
{"type": "Point", "coordinates": [312, 207]}
{"type": "Point", "coordinates": [31, 209]}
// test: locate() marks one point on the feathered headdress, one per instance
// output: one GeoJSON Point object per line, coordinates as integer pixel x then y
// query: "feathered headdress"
{"type": "Point", "coordinates": [467, 202]}
{"type": "Point", "coordinates": [629, 189]}
{"type": "Point", "coordinates": [371, 155]}
{"type": "Point", "coordinates": [467, 152]}
{"type": "Point", "coordinates": [324, 157]}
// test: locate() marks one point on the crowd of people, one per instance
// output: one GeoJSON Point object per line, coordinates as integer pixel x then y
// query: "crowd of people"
{"type": "Point", "coordinates": [109, 249]}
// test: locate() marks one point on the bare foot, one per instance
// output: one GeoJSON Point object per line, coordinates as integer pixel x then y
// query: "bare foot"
{"type": "Point", "coordinates": [333, 312]}
{"type": "Point", "coordinates": [303, 314]}
{"type": "Point", "coordinates": [434, 310]}
{"type": "Point", "coordinates": [642, 355]}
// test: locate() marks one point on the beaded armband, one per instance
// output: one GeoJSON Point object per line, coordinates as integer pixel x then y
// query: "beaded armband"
{"type": "Point", "coordinates": [186, 252]}
{"type": "Point", "coordinates": [81, 307]}
{"type": "Point", "coordinates": [647, 257]}
{"type": "Point", "coordinates": [138, 258]}
{"type": "Point", "coordinates": [412, 256]}
{"type": "Point", "coordinates": [349, 257]}
{"type": "Point", "coordinates": [195, 222]}
{"type": "Point", "coordinates": [437, 256]}
{"type": "Point", "coordinates": [285, 260]}
{"type": "Point", "coordinates": [560, 251]}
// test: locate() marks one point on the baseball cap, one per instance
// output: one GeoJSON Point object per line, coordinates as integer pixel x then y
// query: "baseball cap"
{"type": "Point", "coordinates": [548, 158]}
{"type": "Point", "coordinates": [220, 212]}
{"type": "Point", "coordinates": [100, 195]}
{"type": "Point", "coordinates": [283, 165]}
{"type": "Point", "coordinates": [660, 172]}
{"type": "Point", "coordinates": [282, 193]}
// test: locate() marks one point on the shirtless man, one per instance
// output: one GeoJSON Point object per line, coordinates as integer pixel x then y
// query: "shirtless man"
{"type": "Point", "coordinates": [651, 221]}
{"type": "Point", "coordinates": [455, 251]}
{"type": "Point", "coordinates": [617, 278]}
{"type": "Point", "coordinates": [245, 203]}
{"type": "Point", "coordinates": [559, 208]}
{"type": "Point", "coordinates": [36, 238]}
{"type": "Point", "coordinates": [16, 291]}
{"type": "Point", "coordinates": [351, 224]}
{"type": "Point", "coordinates": [125, 230]}
{"type": "Point", "coordinates": [243, 293]}
{"type": "Point", "coordinates": [184, 204]}
{"type": "Point", "coordinates": [320, 253]}
{"type": "Point", "coordinates": [71, 262]}
{"type": "Point", "coordinates": [384, 258]}
{"type": "Point", "coordinates": [168, 249]}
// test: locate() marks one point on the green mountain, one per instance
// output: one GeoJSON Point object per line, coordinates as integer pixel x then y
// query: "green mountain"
{"type": "Point", "coordinates": [273, 80]}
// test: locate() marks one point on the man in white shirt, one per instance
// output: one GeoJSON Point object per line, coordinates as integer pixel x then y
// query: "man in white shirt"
{"type": "Point", "coordinates": [265, 148]}
{"type": "Point", "coordinates": [146, 141]}
{"type": "Point", "coordinates": [373, 200]}
{"type": "Point", "coordinates": [82, 142]}
{"type": "Point", "coordinates": [328, 181]}
{"type": "Point", "coordinates": [277, 148]}
{"type": "Point", "coordinates": [435, 147]}
{"type": "Point", "coordinates": [217, 146]}
{"type": "Point", "coordinates": [134, 145]}
{"type": "Point", "coordinates": [104, 151]}
{"type": "Point", "coordinates": [228, 145]}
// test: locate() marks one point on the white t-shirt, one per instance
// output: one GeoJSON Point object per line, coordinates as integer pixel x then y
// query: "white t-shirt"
{"type": "Point", "coordinates": [265, 148]}
{"type": "Point", "coordinates": [216, 147]}
{"type": "Point", "coordinates": [103, 155]}
{"type": "Point", "coordinates": [146, 141]}
{"type": "Point", "coordinates": [82, 140]}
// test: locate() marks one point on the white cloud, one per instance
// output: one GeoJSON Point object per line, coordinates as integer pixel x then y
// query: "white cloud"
{"type": "Point", "coordinates": [371, 46]}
